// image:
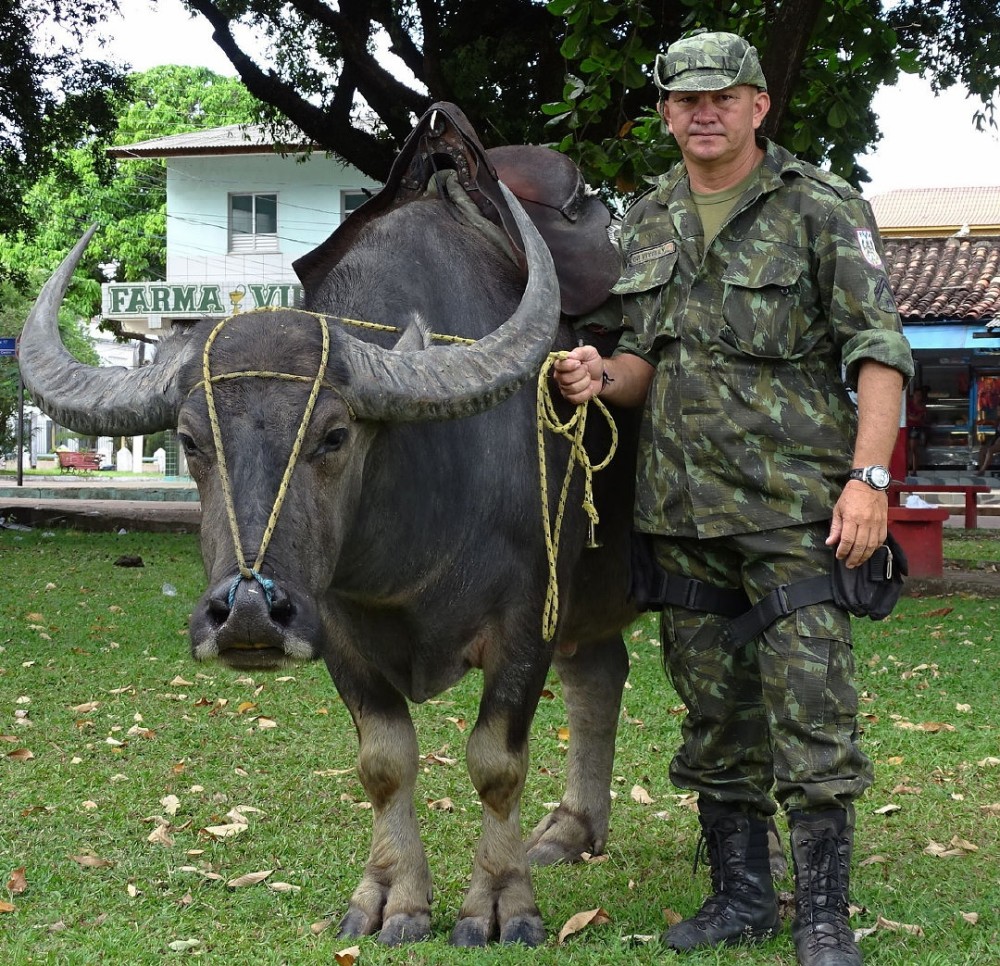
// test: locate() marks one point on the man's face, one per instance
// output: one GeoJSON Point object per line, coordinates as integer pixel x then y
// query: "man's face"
{"type": "Point", "coordinates": [713, 127]}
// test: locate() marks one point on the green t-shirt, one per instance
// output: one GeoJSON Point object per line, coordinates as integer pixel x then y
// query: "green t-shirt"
{"type": "Point", "coordinates": [715, 207]}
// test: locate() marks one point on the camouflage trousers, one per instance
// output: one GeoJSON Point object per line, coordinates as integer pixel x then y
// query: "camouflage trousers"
{"type": "Point", "coordinates": [773, 722]}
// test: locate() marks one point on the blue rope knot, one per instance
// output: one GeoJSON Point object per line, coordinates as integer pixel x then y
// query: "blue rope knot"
{"type": "Point", "coordinates": [266, 584]}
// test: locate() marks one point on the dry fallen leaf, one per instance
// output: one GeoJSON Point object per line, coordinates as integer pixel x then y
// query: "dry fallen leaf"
{"type": "Point", "coordinates": [317, 927]}
{"type": "Point", "coordinates": [18, 882]}
{"type": "Point", "coordinates": [183, 945]}
{"type": "Point", "coordinates": [92, 862]}
{"type": "Point", "coordinates": [7, 906]}
{"type": "Point", "coordinates": [641, 796]}
{"type": "Point", "coordinates": [592, 917]}
{"type": "Point", "coordinates": [441, 805]}
{"type": "Point", "coordinates": [21, 754]}
{"type": "Point", "coordinates": [671, 918]}
{"type": "Point", "coordinates": [160, 836]}
{"type": "Point", "coordinates": [888, 809]}
{"type": "Point", "coordinates": [225, 831]}
{"type": "Point", "coordinates": [347, 957]}
{"type": "Point", "coordinates": [972, 918]}
{"type": "Point", "coordinates": [283, 887]}
{"type": "Point", "coordinates": [251, 878]}
{"type": "Point", "coordinates": [892, 926]}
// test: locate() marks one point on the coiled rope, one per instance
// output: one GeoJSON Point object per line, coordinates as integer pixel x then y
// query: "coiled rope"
{"type": "Point", "coordinates": [572, 429]}
{"type": "Point", "coordinates": [547, 419]}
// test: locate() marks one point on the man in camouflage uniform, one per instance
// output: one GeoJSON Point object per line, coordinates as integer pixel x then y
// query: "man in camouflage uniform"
{"type": "Point", "coordinates": [755, 297]}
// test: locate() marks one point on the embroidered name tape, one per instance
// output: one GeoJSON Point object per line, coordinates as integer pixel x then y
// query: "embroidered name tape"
{"type": "Point", "coordinates": [650, 254]}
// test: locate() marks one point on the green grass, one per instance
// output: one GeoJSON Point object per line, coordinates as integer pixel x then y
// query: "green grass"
{"type": "Point", "coordinates": [75, 629]}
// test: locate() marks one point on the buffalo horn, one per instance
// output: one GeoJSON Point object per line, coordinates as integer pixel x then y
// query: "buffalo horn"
{"type": "Point", "coordinates": [94, 400]}
{"type": "Point", "coordinates": [447, 382]}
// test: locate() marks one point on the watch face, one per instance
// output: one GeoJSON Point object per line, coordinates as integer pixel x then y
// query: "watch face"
{"type": "Point", "coordinates": [879, 476]}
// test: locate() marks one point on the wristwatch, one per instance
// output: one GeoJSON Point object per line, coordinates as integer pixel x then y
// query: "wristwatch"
{"type": "Point", "coordinates": [877, 477]}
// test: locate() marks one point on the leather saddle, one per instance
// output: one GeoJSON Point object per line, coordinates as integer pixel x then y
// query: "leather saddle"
{"type": "Point", "coordinates": [573, 222]}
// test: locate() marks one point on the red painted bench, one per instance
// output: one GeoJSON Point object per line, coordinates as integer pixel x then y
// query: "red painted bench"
{"type": "Point", "coordinates": [83, 462]}
{"type": "Point", "coordinates": [971, 496]}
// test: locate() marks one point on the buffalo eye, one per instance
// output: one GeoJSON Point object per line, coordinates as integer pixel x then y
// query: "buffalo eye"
{"type": "Point", "coordinates": [187, 444]}
{"type": "Point", "coordinates": [332, 441]}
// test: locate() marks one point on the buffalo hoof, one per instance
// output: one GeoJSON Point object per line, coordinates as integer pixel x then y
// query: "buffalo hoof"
{"type": "Point", "coordinates": [526, 930]}
{"type": "Point", "coordinates": [472, 932]}
{"type": "Point", "coordinates": [405, 929]}
{"type": "Point", "coordinates": [559, 837]}
{"type": "Point", "coordinates": [355, 924]}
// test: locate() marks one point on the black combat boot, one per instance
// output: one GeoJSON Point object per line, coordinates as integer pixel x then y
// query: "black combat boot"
{"type": "Point", "coordinates": [743, 906]}
{"type": "Point", "coordinates": [821, 850]}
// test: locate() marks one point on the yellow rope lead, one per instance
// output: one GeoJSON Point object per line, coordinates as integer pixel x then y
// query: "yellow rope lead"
{"type": "Point", "coordinates": [573, 429]}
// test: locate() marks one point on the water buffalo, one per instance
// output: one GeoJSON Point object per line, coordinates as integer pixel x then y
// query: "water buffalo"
{"type": "Point", "coordinates": [378, 506]}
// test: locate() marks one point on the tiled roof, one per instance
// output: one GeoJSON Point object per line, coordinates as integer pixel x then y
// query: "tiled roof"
{"type": "Point", "coordinates": [938, 279]}
{"type": "Point", "coordinates": [938, 211]}
{"type": "Point", "coordinates": [234, 139]}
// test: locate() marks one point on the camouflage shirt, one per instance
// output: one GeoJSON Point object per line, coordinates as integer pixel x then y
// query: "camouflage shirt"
{"type": "Point", "coordinates": [749, 424]}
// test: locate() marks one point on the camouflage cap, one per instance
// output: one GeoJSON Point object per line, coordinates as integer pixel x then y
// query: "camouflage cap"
{"type": "Point", "coordinates": [708, 62]}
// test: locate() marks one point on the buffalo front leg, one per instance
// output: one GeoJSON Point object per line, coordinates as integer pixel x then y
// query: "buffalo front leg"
{"type": "Point", "coordinates": [500, 901]}
{"type": "Point", "coordinates": [592, 682]}
{"type": "Point", "coordinates": [394, 895]}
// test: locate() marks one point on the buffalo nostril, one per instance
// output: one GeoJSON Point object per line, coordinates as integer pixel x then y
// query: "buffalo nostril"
{"type": "Point", "coordinates": [218, 609]}
{"type": "Point", "coordinates": [281, 606]}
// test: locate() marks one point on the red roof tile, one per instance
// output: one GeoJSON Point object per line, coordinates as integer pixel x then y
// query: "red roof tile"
{"type": "Point", "coordinates": [937, 279]}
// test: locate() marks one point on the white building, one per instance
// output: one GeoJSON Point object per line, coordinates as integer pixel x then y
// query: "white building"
{"type": "Point", "coordinates": [240, 210]}
{"type": "Point", "coordinates": [239, 213]}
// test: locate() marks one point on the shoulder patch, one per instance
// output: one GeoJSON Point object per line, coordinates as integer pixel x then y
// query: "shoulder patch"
{"type": "Point", "coordinates": [883, 296]}
{"type": "Point", "coordinates": [866, 242]}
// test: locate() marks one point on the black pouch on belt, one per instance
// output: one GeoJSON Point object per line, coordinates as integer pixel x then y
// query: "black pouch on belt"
{"type": "Point", "coordinates": [872, 589]}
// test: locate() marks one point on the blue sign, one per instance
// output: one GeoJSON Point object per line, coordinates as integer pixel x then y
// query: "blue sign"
{"type": "Point", "coordinates": [8, 347]}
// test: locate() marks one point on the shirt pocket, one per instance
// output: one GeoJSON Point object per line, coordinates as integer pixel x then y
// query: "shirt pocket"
{"type": "Point", "coordinates": [764, 299]}
{"type": "Point", "coordinates": [649, 270]}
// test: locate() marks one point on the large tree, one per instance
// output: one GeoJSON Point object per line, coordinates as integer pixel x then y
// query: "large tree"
{"type": "Point", "coordinates": [50, 95]}
{"type": "Point", "coordinates": [318, 63]}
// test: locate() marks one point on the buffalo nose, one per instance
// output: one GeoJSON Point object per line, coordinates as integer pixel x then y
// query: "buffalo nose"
{"type": "Point", "coordinates": [248, 596]}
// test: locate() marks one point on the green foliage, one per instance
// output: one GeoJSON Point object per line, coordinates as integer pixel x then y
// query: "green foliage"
{"type": "Point", "coordinates": [51, 96]}
{"type": "Point", "coordinates": [95, 658]}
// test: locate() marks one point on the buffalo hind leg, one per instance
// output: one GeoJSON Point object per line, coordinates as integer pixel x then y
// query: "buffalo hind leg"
{"type": "Point", "coordinates": [500, 901]}
{"type": "Point", "coordinates": [592, 682]}
{"type": "Point", "coordinates": [394, 895]}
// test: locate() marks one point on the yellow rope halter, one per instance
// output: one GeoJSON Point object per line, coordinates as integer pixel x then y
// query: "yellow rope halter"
{"type": "Point", "coordinates": [208, 380]}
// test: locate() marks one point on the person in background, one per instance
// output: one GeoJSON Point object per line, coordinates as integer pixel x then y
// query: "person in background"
{"type": "Point", "coordinates": [752, 283]}
{"type": "Point", "coordinates": [990, 444]}
{"type": "Point", "coordinates": [916, 427]}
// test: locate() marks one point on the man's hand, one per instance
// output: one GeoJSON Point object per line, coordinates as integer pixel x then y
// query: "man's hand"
{"type": "Point", "coordinates": [578, 376]}
{"type": "Point", "coordinates": [859, 523]}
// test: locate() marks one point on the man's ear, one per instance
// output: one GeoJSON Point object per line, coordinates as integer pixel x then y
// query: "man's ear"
{"type": "Point", "coordinates": [761, 105]}
{"type": "Point", "coordinates": [663, 109]}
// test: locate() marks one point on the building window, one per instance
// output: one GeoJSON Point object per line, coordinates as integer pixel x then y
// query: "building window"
{"type": "Point", "coordinates": [349, 200]}
{"type": "Point", "coordinates": [253, 223]}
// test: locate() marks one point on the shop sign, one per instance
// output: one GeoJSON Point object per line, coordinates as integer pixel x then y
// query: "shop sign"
{"type": "Point", "coordinates": [129, 300]}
